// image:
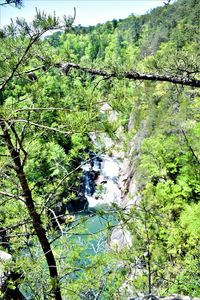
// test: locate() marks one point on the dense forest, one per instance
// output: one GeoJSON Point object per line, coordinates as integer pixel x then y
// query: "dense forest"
{"type": "Point", "coordinates": [125, 92]}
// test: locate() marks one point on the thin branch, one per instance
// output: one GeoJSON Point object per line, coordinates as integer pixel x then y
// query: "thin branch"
{"type": "Point", "coordinates": [31, 42]}
{"type": "Point", "coordinates": [26, 221]}
{"type": "Point", "coordinates": [12, 196]}
{"type": "Point", "coordinates": [56, 218]}
{"type": "Point", "coordinates": [47, 127]}
{"type": "Point", "coordinates": [189, 146]}
{"type": "Point", "coordinates": [20, 234]}
{"type": "Point", "coordinates": [42, 108]}
{"type": "Point", "coordinates": [32, 70]}
{"type": "Point", "coordinates": [105, 78]}
{"type": "Point", "coordinates": [40, 126]}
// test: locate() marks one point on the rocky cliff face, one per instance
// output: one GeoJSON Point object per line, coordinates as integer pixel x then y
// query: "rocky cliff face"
{"type": "Point", "coordinates": [128, 178]}
{"type": "Point", "coordinates": [128, 184]}
{"type": "Point", "coordinates": [130, 187]}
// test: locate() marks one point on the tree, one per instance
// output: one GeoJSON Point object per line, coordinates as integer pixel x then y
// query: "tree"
{"type": "Point", "coordinates": [38, 181]}
{"type": "Point", "coordinates": [46, 118]}
{"type": "Point", "coordinates": [15, 143]}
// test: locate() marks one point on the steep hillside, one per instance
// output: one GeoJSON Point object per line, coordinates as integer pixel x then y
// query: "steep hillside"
{"type": "Point", "coordinates": [74, 106]}
{"type": "Point", "coordinates": [162, 137]}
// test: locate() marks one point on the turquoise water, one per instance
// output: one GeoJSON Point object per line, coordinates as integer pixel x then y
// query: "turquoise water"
{"type": "Point", "coordinates": [84, 239]}
{"type": "Point", "coordinates": [94, 230]}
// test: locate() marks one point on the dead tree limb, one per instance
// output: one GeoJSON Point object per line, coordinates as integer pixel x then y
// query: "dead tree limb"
{"type": "Point", "coordinates": [132, 75]}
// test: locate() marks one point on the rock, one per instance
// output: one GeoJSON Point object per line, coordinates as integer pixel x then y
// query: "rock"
{"type": "Point", "coordinates": [4, 256]}
{"type": "Point", "coordinates": [170, 297]}
{"type": "Point", "coordinates": [120, 238]}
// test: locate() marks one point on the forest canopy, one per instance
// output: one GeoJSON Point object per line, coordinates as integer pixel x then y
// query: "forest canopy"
{"type": "Point", "coordinates": [64, 98]}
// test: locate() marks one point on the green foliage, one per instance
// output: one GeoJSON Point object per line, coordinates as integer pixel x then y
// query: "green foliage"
{"type": "Point", "coordinates": [55, 117]}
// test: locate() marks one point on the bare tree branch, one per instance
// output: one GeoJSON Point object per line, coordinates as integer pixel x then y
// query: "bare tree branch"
{"type": "Point", "coordinates": [40, 126]}
{"type": "Point", "coordinates": [12, 196]}
{"type": "Point", "coordinates": [133, 75]}
{"type": "Point", "coordinates": [56, 219]}
{"type": "Point", "coordinates": [46, 127]}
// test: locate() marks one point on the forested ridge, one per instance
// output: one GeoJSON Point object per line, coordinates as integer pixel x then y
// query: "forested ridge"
{"type": "Point", "coordinates": [63, 98]}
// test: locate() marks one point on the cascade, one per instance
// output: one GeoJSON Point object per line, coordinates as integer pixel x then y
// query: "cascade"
{"type": "Point", "coordinates": [101, 181]}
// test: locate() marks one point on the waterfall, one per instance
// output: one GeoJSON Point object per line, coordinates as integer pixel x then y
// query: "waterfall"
{"type": "Point", "coordinates": [101, 181]}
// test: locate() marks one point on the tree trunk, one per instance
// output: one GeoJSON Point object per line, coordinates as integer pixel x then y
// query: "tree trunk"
{"type": "Point", "coordinates": [35, 217]}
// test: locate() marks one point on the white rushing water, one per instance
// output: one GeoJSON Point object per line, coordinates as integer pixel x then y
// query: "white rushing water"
{"type": "Point", "coordinates": [107, 190]}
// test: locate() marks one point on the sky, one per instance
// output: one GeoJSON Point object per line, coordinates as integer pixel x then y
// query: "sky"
{"type": "Point", "coordinates": [88, 12]}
